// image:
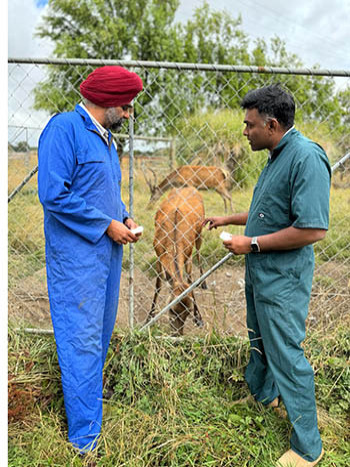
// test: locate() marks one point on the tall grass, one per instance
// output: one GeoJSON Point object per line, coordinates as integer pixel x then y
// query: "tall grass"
{"type": "Point", "coordinates": [174, 403]}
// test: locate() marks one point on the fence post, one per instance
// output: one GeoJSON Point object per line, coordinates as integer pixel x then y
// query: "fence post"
{"type": "Point", "coordinates": [172, 153]}
{"type": "Point", "coordinates": [131, 212]}
{"type": "Point", "coordinates": [27, 151]}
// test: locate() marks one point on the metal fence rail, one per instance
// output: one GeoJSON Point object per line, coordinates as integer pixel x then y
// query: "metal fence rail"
{"type": "Point", "coordinates": [188, 114]}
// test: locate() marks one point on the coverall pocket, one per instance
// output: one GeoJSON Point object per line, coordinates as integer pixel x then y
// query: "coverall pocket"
{"type": "Point", "coordinates": [287, 295]}
{"type": "Point", "coordinates": [286, 263]}
{"type": "Point", "coordinates": [86, 157]}
{"type": "Point", "coordinates": [92, 174]}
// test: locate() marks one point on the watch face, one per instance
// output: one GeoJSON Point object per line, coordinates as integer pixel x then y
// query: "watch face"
{"type": "Point", "coordinates": [255, 246]}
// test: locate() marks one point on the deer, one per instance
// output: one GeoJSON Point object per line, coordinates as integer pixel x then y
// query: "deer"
{"type": "Point", "coordinates": [178, 226]}
{"type": "Point", "coordinates": [200, 176]}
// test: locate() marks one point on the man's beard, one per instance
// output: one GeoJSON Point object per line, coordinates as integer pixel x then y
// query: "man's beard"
{"type": "Point", "coordinates": [112, 121]}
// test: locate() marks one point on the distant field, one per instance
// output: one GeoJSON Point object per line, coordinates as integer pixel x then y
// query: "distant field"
{"type": "Point", "coordinates": [222, 305]}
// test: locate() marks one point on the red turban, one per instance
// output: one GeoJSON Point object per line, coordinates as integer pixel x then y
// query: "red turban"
{"type": "Point", "coordinates": [111, 86]}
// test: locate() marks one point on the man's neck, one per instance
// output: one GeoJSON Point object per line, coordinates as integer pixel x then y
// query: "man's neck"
{"type": "Point", "coordinates": [279, 137]}
{"type": "Point", "coordinates": [97, 112]}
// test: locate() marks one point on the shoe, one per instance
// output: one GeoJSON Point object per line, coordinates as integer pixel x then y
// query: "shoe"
{"type": "Point", "coordinates": [274, 404]}
{"type": "Point", "coordinates": [292, 459]}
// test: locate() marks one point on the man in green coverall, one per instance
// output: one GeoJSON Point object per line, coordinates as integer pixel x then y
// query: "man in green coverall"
{"type": "Point", "coordinates": [288, 213]}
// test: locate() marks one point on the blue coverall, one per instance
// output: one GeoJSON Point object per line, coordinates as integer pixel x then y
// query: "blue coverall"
{"type": "Point", "coordinates": [292, 190]}
{"type": "Point", "coordinates": [79, 182]}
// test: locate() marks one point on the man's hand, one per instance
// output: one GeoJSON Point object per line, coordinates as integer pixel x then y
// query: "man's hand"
{"type": "Point", "coordinates": [120, 233]}
{"type": "Point", "coordinates": [131, 224]}
{"type": "Point", "coordinates": [214, 222]}
{"type": "Point", "coordinates": [238, 244]}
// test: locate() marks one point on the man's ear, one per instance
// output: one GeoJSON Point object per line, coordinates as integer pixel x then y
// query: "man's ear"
{"type": "Point", "coordinates": [273, 125]}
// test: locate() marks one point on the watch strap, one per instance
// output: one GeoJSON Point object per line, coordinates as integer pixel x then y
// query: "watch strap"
{"type": "Point", "coordinates": [254, 245]}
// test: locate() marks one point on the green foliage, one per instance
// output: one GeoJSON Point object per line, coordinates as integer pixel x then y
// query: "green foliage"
{"type": "Point", "coordinates": [216, 138]}
{"type": "Point", "coordinates": [336, 243]}
{"type": "Point", "coordinates": [109, 29]}
{"type": "Point", "coordinates": [22, 146]}
{"type": "Point", "coordinates": [174, 403]}
{"type": "Point", "coordinates": [331, 356]}
{"type": "Point", "coordinates": [146, 30]}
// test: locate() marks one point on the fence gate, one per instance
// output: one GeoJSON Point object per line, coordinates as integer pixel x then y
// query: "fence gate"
{"type": "Point", "coordinates": [187, 115]}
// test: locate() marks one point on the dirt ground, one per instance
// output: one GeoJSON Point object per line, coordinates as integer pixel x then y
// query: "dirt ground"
{"type": "Point", "coordinates": [222, 305]}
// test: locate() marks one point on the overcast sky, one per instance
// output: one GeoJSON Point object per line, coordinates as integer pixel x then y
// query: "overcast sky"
{"type": "Point", "coordinates": [316, 30]}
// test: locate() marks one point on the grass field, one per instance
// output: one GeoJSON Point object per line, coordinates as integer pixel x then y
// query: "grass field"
{"type": "Point", "coordinates": [175, 403]}
{"type": "Point", "coordinates": [27, 255]}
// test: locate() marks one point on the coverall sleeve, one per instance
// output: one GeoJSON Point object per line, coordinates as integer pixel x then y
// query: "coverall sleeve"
{"type": "Point", "coordinates": [125, 212]}
{"type": "Point", "coordinates": [56, 171]}
{"type": "Point", "coordinates": [310, 192]}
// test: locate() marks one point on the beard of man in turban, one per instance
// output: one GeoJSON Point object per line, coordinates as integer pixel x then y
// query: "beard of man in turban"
{"type": "Point", "coordinates": [112, 120]}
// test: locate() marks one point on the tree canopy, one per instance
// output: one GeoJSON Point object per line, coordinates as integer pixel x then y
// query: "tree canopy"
{"type": "Point", "coordinates": [147, 30]}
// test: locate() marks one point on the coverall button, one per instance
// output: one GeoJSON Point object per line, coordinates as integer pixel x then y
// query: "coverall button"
{"type": "Point", "coordinates": [261, 215]}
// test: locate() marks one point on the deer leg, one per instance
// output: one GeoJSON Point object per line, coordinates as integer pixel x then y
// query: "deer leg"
{"type": "Point", "coordinates": [199, 260]}
{"type": "Point", "coordinates": [178, 315]}
{"type": "Point", "coordinates": [230, 201]}
{"type": "Point", "coordinates": [188, 269]}
{"type": "Point", "coordinates": [197, 317]}
{"type": "Point", "coordinates": [156, 292]}
{"type": "Point", "coordinates": [225, 204]}
{"type": "Point", "coordinates": [226, 195]}
{"type": "Point", "coordinates": [177, 323]}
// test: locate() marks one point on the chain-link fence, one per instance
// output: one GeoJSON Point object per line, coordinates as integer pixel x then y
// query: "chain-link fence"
{"type": "Point", "coordinates": [187, 130]}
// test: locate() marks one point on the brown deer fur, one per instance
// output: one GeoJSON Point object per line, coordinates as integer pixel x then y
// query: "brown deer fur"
{"type": "Point", "coordinates": [178, 226]}
{"type": "Point", "coordinates": [200, 176]}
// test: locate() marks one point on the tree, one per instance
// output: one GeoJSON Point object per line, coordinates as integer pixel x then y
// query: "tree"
{"type": "Point", "coordinates": [146, 30]}
{"type": "Point", "coordinates": [140, 30]}
{"type": "Point", "coordinates": [108, 29]}
{"type": "Point", "coordinates": [22, 146]}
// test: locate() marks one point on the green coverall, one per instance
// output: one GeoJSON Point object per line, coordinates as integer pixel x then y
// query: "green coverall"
{"type": "Point", "coordinates": [292, 190]}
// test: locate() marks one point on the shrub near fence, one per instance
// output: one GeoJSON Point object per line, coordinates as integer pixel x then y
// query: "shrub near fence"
{"type": "Point", "coordinates": [200, 125]}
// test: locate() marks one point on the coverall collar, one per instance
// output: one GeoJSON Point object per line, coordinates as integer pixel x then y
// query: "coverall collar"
{"type": "Point", "coordinates": [283, 142]}
{"type": "Point", "coordinates": [90, 125]}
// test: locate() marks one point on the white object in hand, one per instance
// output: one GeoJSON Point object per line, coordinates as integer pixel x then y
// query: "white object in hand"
{"type": "Point", "coordinates": [137, 230]}
{"type": "Point", "coordinates": [225, 236]}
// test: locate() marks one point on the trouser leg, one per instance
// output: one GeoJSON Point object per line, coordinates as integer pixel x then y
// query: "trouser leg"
{"type": "Point", "coordinates": [78, 330]}
{"type": "Point", "coordinates": [112, 297]}
{"type": "Point", "coordinates": [282, 306]}
{"type": "Point", "coordinates": [258, 374]}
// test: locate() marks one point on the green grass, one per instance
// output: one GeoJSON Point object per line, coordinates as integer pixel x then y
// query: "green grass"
{"type": "Point", "coordinates": [175, 403]}
{"type": "Point", "coordinates": [26, 235]}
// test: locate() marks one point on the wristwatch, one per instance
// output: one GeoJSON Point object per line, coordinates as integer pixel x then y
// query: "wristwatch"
{"type": "Point", "coordinates": [254, 245]}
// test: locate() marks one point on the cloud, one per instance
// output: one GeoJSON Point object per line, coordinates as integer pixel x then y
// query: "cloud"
{"type": "Point", "coordinates": [23, 18]}
{"type": "Point", "coordinates": [316, 31]}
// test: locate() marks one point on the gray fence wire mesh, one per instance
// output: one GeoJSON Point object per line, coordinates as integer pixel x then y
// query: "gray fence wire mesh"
{"type": "Point", "coordinates": [187, 115]}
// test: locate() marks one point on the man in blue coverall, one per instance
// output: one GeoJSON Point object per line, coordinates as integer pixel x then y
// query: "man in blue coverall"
{"type": "Point", "coordinates": [86, 225]}
{"type": "Point", "coordinates": [288, 213]}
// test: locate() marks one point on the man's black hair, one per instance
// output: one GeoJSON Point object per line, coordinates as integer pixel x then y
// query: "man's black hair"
{"type": "Point", "coordinates": [272, 101]}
